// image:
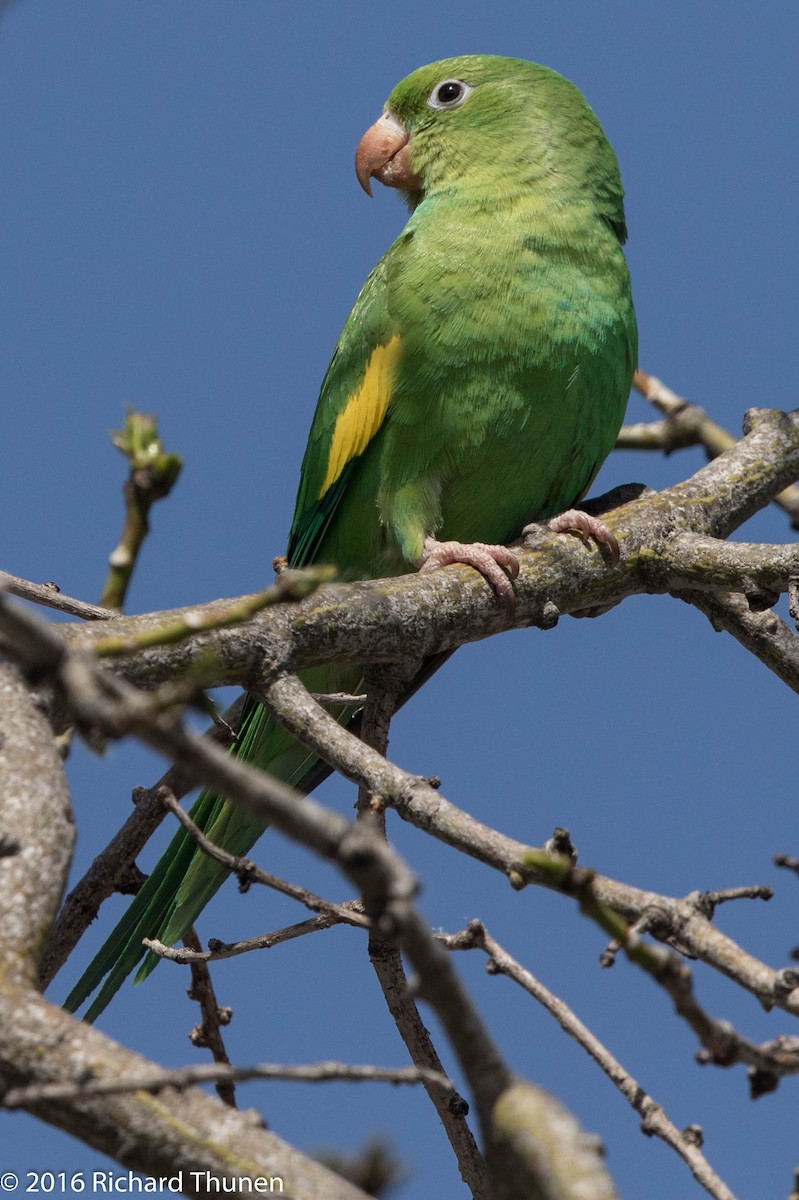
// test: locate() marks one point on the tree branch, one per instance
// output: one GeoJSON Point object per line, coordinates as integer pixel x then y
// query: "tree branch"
{"type": "Point", "coordinates": [384, 685]}
{"type": "Point", "coordinates": [185, 1077]}
{"type": "Point", "coordinates": [532, 1143]}
{"type": "Point", "coordinates": [36, 822]}
{"type": "Point", "coordinates": [654, 1121]}
{"type": "Point", "coordinates": [153, 474]}
{"type": "Point", "coordinates": [680, 921]}
{"type": "Point", "coordinates": [40, 1043]}
{"type": "Point", "coordinates": [763, 634]}
{"type": "Point", "coordinates": [687, 424]}
{"type": "Point", "coordinates": [208, 1034]}
{"type": "Point", "coordinates": [349, 913]}
{"type": "Point", "coordinates": [376, 621]}
{"type": "Point", "coordinates": [172, 1133]}
{"type": "Point", "coordinates": [113, 870]}
{"type": "Point", "coordinates": [51, 596]}
{"type": "Point", "coordinates": [665, 540]}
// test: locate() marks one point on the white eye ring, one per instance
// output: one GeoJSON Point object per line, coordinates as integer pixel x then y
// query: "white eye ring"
{"type": "Point", "coordinates": [450, 93]}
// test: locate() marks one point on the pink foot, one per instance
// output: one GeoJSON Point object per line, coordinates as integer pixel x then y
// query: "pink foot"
{"type": "Point", "coordinates": [491, 561]}
{"type": "Point", "coordinates": [587, 529]}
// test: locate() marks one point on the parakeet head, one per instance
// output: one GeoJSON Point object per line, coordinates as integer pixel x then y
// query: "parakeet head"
{"type": "Point", "coordinates": [482, 121]}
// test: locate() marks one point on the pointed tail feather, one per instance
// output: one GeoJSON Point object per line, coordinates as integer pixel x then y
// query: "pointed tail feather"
{"type": "Point", "coordinates": [148, 913]}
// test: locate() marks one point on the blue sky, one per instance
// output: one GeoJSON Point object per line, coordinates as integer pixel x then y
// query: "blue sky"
{"type": "Point", "coordinates": [182, 232]}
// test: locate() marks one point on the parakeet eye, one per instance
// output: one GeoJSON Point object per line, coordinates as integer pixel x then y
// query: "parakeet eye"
{"type": "Point", "coordinates": [449, 94]}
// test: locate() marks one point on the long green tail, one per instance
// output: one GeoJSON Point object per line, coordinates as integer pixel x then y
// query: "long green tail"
{"type": "Point", "coordinates": [184, 879]}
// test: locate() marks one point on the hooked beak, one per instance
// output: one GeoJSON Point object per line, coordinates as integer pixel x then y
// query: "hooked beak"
{"type": "Point", "coordinates": [383, 154]}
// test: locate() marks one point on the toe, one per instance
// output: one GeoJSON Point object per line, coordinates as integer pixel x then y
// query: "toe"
{"type": "Point", "coordinates": [496, 564]}
{"type": "Point", "coordinates": [587, 529]}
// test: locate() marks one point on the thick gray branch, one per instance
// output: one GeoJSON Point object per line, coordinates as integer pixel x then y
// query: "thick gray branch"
{"type": "Point", "coordinates": [376, 621]}
{"type": "Point", "coordinates": [36, 827]}
{"type": "Point", "coordinates": [158, 1135]}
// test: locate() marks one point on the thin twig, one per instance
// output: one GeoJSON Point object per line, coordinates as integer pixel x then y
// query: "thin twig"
{"type": "Point", "coordinates": [50, 596]}
{"type": "Point", "coordinates": [654, 1121]}
{"type": "Point", "coordinates": [218, 950]}
{"type": "Point", "coordinates": [184, 1077]}
{"type": "Point", "coordinates": [722, 1045]}
{"type": "Point", "coordinates": [788, 861]}
{"type": "Point", "coordinates": [384, 685]}
{"type": "Point", "coordinates": [208, 1034]}
{"type": "Point", "coordinates": [645, 435]}
{"type": "Point", "coordinates": [329, 698]}
{"type": "Point", "coordinates": [153, 474]}
{"type": "Point", "coordinates": [755, 891]}
{"type": "Point", "coordinates": [249, 872]}
{"type": "Point", "coordinates": [687, 424]}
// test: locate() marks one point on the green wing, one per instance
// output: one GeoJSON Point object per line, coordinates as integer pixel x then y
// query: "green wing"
{"type": "Point", "coordinates": [354, 403]}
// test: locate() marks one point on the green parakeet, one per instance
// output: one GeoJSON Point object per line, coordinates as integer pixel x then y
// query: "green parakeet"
{"type": "Point", "coordinates": [478, 385]}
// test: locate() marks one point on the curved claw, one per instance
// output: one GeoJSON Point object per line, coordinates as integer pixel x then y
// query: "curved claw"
{"type": "Point", "coordinates": [498, 565]}
{"type": "Point", "coordinates": [587, 529]}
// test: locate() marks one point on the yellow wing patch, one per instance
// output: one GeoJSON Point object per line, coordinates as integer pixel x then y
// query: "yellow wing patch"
{"type": "Point", "coordinates": [363, 414]}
